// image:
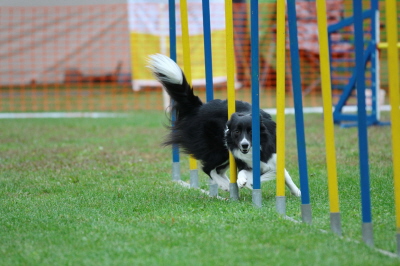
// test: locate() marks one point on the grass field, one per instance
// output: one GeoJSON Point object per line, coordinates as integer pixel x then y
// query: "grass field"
{"type": "Point", "coordinates": [87, 191]}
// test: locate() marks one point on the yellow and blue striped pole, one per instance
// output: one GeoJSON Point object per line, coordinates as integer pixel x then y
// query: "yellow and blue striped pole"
{"type": "Point", "coordinates": [393, 63]}
{"type": "Point", "coordinates": [280, 107]}
{"type": "Point", "coordinates": [194, 179]}
{"type": "Point", "coordinates": [230, 70]}
{"type": "Point", "coordinates": [328, 118]}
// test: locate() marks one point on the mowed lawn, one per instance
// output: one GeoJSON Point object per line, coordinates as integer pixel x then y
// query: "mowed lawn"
{"type": "Point", "coordinates": [82, 191]}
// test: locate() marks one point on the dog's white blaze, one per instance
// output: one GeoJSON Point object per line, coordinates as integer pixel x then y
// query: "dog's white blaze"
{"type": "Point", "coordinates": [159, 63]}
{"type": "Point", "coordinates": [244, 141]}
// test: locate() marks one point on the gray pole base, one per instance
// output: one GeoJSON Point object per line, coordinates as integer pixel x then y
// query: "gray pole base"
{"type": "Point", "coordinates": [367, 234]}
{"type": "Point", "coordinates": [213, 188]}
{"type": "Point", "coordinates": [234, 191]}
{"type": "Point", "coordinates": [257, 198]}
{"type": "Point", "coordinates": [281, 205]}
{"type": "Point", "coordinates": [336, 224]}
{"type": "Point", "coordinates": [306, 216]}
{"type": "Point", "coordinates": [176, 171]}
{"type": "Point", "coordinates": [194, 178]}
{"type": "Point", "coordinates": [398, 242]}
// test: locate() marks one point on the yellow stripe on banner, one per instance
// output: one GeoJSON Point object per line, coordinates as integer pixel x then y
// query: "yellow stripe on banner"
{"type": "Point", "coordinates": [186, 58]}
{"type": "Point", "coordinates": [230, 70]}
{"type": "Point", "coordinates": [327, 103]}
{"type": "Point", "coordinates": [280, 98]}
{"type": "Point", "coordinates": [393, 65]}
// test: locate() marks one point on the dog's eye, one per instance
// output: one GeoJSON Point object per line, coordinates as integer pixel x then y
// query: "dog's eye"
{"type": "Point", "coordinates": [237, 132]}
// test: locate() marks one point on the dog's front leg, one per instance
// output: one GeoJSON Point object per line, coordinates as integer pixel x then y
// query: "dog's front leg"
{"type": "Point", "coordinates": [245, 178]}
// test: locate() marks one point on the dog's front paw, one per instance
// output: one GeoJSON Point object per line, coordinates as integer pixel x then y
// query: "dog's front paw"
{"type": "Point", "coordinates": [296, 193]}
{"type": "Point", "coordinates": [242, 179]}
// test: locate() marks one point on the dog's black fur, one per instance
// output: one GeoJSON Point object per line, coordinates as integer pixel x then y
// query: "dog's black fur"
{"type": "Point", "coordinates": [202, 129]}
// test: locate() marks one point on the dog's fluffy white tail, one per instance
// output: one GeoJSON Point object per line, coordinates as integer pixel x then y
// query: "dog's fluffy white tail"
{"type": "Point", "coordinates": [165, 69]}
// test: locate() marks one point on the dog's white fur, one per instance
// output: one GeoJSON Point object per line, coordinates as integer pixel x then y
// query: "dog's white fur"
{"type": "Point", "coordinates": [245, 177]}
{"type": "Point", "coordinates": [268, 172]}
{"type": "Point", "coordinates": [159, 63]}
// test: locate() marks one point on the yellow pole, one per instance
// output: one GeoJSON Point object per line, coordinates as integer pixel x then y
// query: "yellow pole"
{"type": "Point", "coordinates": [280, 98]}
{"type": "Point", "coordinates": [230, 69]}
{"type": "Point", "coordinates": [328, 116]}
{"type": "Point", "coordinates": [186, 58]}
{"type": "Point", "coordinates": [393, 63]}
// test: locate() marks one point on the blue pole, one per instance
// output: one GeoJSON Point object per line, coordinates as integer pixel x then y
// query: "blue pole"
{"type": "Point", "coordinates": [362, 124]}
{"type": "Point", "coordinates": [172, 53]}
{"type": "Point", "coordinates": [298, 106]}
{"type": "Point", "coordinates": [172, 29]}
{"type": "Point", "coordinates": [213, 187]}
{"type": "Point", "coordinates": [207, 50]}
{"type": "Point", "coordinates": [374, 60]}
{"type": "Point", "coordinates": [255, 100]}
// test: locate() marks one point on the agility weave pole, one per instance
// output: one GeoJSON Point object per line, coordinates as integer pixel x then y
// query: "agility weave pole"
{"type": "Point", "coordinates": [298, 106]}
{"type": "Point", "coordinates": [213, 187]}
{"type": "Point", "coordinates": [333, 190]}
{"type": "Point", "coordinates": [230, 69]}
{"type": "Point", "coordinates": [176, 172]}
{"type": "Point", "coordinates": [280, 107]}
{"type": "Point", "coordinates": [393, 55]}
{"type": "Point", "coordinates": [367, 230]}
{"type": "Point", "coordinates": [194, 175]}
{"type": "Point", "coordinates": [207, 50]}
{"type": "Point", "coordinates": [255, 103]}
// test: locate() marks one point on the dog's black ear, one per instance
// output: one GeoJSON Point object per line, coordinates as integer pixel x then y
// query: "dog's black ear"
{"type": "Point", "coordinates": [228, 125]}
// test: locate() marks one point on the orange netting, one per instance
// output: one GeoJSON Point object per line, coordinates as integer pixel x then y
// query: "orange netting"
{"type": "Point", "coordinates": [79, 58]}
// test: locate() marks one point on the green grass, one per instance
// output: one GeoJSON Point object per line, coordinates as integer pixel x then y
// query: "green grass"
{"type": "Point", "coordinates": [98, 192]}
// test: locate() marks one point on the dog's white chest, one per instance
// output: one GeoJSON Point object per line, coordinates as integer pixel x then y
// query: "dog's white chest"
{"type": "Point", "coordinates": [248, 159]}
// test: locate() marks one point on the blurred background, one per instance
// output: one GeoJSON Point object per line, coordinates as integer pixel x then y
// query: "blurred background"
{"type": "Point", "coordinates": [90, 55]}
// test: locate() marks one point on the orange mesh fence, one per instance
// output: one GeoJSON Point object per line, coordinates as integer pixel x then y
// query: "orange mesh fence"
{"type": "Point", "coordinates": [86, 57]}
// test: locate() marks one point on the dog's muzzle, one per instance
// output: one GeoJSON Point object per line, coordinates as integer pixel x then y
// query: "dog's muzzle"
{"type": "Point", "coordinates": [244, 146]}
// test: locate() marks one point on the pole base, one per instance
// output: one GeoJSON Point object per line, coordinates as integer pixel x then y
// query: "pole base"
{"type": "Point", "coordinates": [367, 234]}
{"type": "Point", "coordinates": [281, 205]}
{"type": "Point", "coordinates": [213, 186]}
{"type": "Point", "coordinates": [257, 200]}
{"type": "Point", "coordinates": [176, 171]}
{"type": "Point", "coordinates": [306, 216]}
{"type": "Point", "coordinates": [194, 178]}
{"type": "Point", "coordinates": [234, 191]}
{"type": "Point", "coordinates": [336, 224]}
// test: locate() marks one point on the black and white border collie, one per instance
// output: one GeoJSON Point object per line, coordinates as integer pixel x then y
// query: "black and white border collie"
{"type": "Point", "coordinates": [203, 130]}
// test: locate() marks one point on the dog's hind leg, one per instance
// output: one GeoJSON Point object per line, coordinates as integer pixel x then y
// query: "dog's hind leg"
{"type": "Point", "coordinates": [222, 181]}
{"type": "Point", "coordinates": [269, 170]}
{"type": "Point", "coordinates": [291, 185]}
{"type": "Point", "coordinates": [216, 172]}
{"type": "Point", "coordinates": [218, 175]}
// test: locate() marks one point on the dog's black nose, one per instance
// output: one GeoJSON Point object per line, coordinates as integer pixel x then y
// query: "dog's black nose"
{"type": "Point", "coordinates": [245, 146]}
